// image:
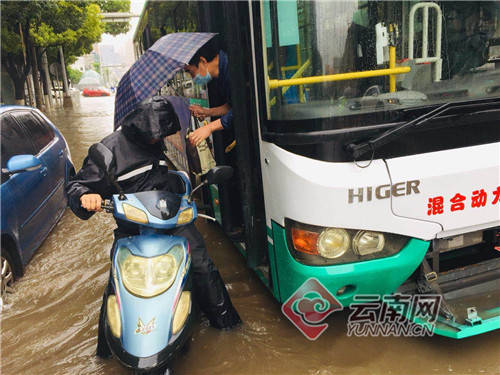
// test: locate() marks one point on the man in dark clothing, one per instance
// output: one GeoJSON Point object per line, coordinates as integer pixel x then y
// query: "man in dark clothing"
{"type": "Point", "coordinates": [210, 63]}
{"type": "Point", "coordinates": [140, 165]}
{"type": "Point", "coordinates": [210, 66]}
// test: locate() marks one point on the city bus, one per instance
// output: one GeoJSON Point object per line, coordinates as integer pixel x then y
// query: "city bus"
{"type": "Point", "coordinates": [366, 146]}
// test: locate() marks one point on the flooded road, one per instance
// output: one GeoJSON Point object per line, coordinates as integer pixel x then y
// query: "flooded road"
{"type": "Point", "coordinates": [49, 325]}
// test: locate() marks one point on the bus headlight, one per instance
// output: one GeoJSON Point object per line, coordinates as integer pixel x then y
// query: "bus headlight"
{"type": "Point", "coordinates": [333, 243]}
{"type": "Point", "coordinates": [315, 245]}
{"type": "Point", "coordinates": [148, 277]}
{"type": "Point", "coordinates": [366, 242]}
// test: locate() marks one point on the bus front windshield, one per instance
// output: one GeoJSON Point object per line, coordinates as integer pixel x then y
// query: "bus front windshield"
{"type": "Point", "coordinates": [326, 59]}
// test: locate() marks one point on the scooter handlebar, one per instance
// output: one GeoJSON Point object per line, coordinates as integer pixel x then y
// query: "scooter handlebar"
{"type": "Point", "coordinates": [107, 205]}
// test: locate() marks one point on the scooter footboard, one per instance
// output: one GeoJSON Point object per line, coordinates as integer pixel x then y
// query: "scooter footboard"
{"type": "Point", "coordinates": [161, 358]}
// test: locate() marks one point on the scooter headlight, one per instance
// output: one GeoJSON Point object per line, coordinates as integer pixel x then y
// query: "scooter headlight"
{"type": "Point", "coordinates": [148, 277]}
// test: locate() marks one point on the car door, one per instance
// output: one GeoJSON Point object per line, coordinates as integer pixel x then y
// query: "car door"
{"type": "Point", "coordinates": [23, 193]}
{"type": "Point", "coordinates": [44, 200]}
{"type": "Point", "coordinates": [51, 148]}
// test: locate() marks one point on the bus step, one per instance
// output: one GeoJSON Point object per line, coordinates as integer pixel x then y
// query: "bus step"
{"type": "Point", "coordinates": [264, 270]}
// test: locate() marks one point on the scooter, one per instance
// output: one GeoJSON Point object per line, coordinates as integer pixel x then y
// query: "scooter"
{"type": "Point", "coordinates": [149, 313]}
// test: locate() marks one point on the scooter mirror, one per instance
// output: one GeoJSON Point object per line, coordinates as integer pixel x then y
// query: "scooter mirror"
{"type": "Point", "coordinates": [219, 174]}
{"type": "Point", "coordinates": [102, 157]}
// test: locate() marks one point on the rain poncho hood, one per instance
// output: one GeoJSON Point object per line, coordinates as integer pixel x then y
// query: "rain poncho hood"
{"type": "Point", "coordinates": [152, 119]}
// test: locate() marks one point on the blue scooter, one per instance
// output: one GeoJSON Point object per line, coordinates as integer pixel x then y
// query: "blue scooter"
{"type": "Point", "coordinates": [149, 313]}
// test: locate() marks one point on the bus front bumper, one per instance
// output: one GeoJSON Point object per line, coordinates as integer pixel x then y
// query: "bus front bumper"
{"type": "Point", "coordinates": [372, 277]}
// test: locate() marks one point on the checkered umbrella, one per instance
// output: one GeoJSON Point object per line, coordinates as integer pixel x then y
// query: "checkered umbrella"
{"type": "Point", "coordinates": [154, 68]}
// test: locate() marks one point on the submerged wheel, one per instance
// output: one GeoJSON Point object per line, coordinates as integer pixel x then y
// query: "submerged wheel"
{"type": "Point", "coordinates": [7, 275]}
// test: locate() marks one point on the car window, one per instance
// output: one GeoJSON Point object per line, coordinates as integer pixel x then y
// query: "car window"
{"type": "Point", "coordinates": [41, 134]}
{"type": "Point", "coordinates": [14, 139]}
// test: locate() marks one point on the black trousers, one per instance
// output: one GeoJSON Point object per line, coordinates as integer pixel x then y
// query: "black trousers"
{"type": "Point", "coordinates": [208, 287]}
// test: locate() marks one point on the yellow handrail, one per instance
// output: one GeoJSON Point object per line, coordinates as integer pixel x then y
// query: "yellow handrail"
{"type": "Point", "coordinates": [298, 73]}
{"type": "Point", "coordinates": [392, 65]}
{"type": "Point", "coordinates": [275, 83]}
{"type": "Point", "coordinates": [392, 62]}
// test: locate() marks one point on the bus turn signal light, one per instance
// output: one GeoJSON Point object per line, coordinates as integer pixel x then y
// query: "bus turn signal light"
{"type": "Point", "coordinates": [305, 241]}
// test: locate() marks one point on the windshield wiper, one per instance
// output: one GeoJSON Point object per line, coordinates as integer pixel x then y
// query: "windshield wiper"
{"type": "Point", "coordinates": [359, 149]}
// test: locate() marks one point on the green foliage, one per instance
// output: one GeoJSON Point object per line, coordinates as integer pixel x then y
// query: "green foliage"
{"type": "Point", "coordinates": [111, 6]}
{"type": "Point", "coordinates": [24, 12]}
{"type": "Point", "coordinates": [74, 75]}
{"type": "Point", "coordinates": [97, 67]}
{"type": "Point", "coordinates": [11, 41]}
{"type": "Point", "coordinates": [74, 25]}
{"type": "Point", "coordinates": [116, 28]}
{"type": "Point", "coordinates": [15, 13]}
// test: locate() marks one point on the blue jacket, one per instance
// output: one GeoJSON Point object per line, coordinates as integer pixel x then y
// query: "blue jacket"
{"type": "Point", "coordinates": [223, 86]}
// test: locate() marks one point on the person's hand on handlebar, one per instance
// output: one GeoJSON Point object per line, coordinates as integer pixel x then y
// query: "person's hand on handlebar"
{"type": "Point", "coordinates": [91, 202]}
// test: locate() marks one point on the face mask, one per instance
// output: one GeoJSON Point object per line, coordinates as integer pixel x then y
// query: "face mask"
{"type": "Point", "coordinates": [202, 80]}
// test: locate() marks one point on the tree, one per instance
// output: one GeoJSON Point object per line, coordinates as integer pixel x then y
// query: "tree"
{"type": "Point", "coordinates": [109, 6]}
{"type": "Point", "coordinates": [16, 19]}
{"type": "Point", "coordinates": [13, 59]}
{"type": "Point", "coordinates": [97, 67]}
{"type": "Point", "coordinates": [74, 25]}
{"type": "Point", "coordinates": [74, 75]}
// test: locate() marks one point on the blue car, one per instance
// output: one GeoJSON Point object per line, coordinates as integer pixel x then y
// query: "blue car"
{"type": "Point", "coordinates": [36, 164]}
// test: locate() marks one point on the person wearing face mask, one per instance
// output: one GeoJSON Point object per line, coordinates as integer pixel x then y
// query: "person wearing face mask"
{"type": "Point", "coordinates": [210, 65]}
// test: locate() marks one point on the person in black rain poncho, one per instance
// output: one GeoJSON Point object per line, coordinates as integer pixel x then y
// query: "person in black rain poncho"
{"type": "Point", "coordinates": [138, 149]}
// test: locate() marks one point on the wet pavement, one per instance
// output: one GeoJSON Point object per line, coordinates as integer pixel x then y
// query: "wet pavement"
{"type": "Point", "coordinates": [49, 326]}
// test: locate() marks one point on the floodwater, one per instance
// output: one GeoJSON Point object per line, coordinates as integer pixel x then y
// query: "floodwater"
{"type": "Point", "coordinates": [49, 325]}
